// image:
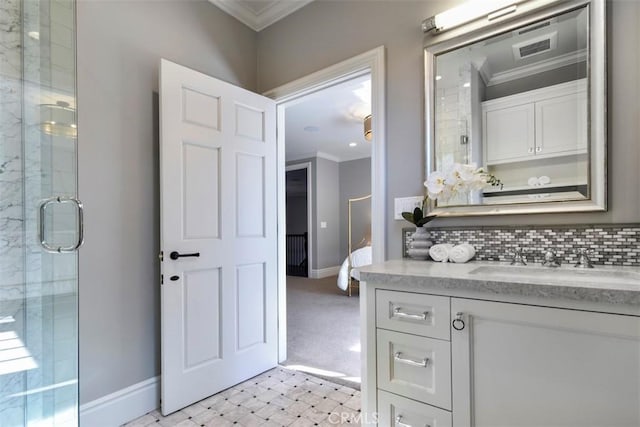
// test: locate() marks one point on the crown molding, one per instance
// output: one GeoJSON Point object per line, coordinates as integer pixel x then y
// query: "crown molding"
{"type": "Point", "coordinates": [257, 21]}
{"type": "Point", "coordinates": [537, 67]}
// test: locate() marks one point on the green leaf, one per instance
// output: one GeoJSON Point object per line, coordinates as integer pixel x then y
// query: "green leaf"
{"type": "Point", "coordinates": [408, 216]}
{"type": "Point", "coordinates": [417, 215]}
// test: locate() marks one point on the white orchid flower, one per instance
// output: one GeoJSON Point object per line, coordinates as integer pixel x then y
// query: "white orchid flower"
{"type": "Point", "coordinates": [435, 184]}
{"type": "Point", "coordinates": [458, 178]}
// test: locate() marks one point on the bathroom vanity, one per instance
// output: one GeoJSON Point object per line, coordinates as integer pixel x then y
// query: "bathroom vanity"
{"type": "Point", "coordinates": [489, 344]}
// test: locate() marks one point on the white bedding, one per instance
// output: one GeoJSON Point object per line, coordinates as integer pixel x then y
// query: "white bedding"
{"type": "Point", "coordinates": [359, 258]}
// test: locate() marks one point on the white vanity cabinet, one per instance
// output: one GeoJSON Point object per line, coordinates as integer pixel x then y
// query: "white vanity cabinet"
{"type": "Point", "coordinates": [441, 352]}
{"type": "Point", "coordinates": [538, 124]}
{"type": "Point", "coordinates": [518, 365]}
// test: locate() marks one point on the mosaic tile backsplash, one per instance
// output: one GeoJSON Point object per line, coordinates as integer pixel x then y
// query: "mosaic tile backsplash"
{"type": "Point", "coordinates": [612, 244]}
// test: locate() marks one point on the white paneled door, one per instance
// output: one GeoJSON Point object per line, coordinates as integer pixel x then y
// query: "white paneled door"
{"type": "Point", "coordinates": [218, 235]}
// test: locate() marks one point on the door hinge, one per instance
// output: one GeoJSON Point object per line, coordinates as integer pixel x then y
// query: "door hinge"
{"type": "Point", "coordinates": [161, 256]}
{"type": "Point", "coordinates": [162, 279]}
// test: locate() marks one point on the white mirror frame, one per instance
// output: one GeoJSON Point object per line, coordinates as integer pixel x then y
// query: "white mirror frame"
{"type": "Point", "coordinates": [526, 13]}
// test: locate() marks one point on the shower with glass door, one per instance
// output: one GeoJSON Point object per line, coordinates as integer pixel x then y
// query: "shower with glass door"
{"type": "Point", "coordinates": [40, 215]}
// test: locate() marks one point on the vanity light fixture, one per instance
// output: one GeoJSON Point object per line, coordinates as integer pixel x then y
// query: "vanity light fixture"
{"type": "Point", "coordinates": [469, 11]}
{"type": "Point", "coordinates": [368, 134]}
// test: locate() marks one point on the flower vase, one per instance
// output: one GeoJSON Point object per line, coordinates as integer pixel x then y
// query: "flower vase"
{"type": "Point", "coordinates": [419, 244]}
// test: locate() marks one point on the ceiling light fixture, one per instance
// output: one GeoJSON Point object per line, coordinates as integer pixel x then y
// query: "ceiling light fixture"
{"type": "Point", "coordinates": [353, 144]}
{"type": "Point", "coordinates": [34, 35]}
{"type": "Point", "coordinates": [368, 134]}
{"type": "Point", "coordinates": [438, 77]}
{"type": "Point", "coordinates": [469, 11]}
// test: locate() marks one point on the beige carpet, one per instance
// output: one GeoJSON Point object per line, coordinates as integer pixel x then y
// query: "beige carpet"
{"type": "Point", "coordinates": [323, 330]}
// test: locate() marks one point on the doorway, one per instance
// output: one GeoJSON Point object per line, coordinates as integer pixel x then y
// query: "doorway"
{"type": "Point", "coordinates": [299, 225]}
{"type": "Point", "coordinates": [366, 66]}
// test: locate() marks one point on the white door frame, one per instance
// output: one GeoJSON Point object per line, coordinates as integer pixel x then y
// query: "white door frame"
{"type": "Point", "coordinates": [371, 62]}
{"type": "Point", "coordinates": [307, 166]}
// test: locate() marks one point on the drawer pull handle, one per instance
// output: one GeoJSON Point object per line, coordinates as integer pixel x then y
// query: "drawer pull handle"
{"type": "Point", "coordinates": [422, 364]}
{"type": "Point", "coordinates": [397, 312]}
{"type": "Point", "coordinates": [399, 422]}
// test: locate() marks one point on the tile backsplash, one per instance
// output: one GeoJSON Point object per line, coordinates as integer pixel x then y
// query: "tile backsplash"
{"type": "Point", "coordinates": [611, 244]}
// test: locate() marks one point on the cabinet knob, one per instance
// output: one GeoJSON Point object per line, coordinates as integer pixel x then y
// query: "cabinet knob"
{"type": "Point", "coordinates": [538, 149]}
{"type": "Point", "coordinates": [530, 150]}
{"type": "Point", "coordinates": [458, 322]}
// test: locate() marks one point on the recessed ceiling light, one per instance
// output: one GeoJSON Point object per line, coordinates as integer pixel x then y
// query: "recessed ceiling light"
{"type": "Point", "coordinates": [311, 128]}
{"type": "Point", "coordinates": [353, 144]}
{"type": "Point", "coordinates": [34, 35]}
{"type": "Point", "coordinates": [438, 77]}
{"type": "Point", "coordinates": [467, 84]}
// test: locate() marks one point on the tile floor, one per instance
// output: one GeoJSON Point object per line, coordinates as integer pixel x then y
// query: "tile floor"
{"type": "Point", "coordinates": [276, 398]}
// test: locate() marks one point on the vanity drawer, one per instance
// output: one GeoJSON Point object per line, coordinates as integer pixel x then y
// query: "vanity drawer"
{"type": "Point", "coordinates": [397, 411]}
{"type": "Point", "coordinates": [426, 315]}
{"type": "Point", "coordinates": [415, 367]}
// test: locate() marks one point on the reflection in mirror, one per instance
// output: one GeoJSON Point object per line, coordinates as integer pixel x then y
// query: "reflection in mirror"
{"type": "Point", "coordinates": [516, 104]}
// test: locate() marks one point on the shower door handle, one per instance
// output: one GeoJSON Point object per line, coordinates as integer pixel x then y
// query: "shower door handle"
{"type": "Point", "coordinates": [79, 225]}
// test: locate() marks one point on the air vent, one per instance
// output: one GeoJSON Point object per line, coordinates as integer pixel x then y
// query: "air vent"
{"type": "Point", "coordinates": [535, 46]}
{"type": "Point", "coordinates": [534, 27]}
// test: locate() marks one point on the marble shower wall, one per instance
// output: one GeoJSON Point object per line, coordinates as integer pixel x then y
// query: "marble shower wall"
{"type": "Point", "coordinates": [11, 200]}
{"type": "Point", "coordinates": [11, 158]}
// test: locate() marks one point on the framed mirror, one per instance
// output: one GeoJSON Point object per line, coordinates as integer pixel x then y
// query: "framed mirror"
{"type": "Point", "coordinates": [523, 97]}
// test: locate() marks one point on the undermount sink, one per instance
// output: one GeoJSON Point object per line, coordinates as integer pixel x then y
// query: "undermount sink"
{"type": "Point", "coordinates": [564, 274]}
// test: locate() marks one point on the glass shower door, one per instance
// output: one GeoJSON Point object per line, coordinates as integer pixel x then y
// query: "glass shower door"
{"type": "Point", "coordinates": [40, 218]}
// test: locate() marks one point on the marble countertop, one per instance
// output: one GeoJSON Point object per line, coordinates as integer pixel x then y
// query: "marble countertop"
{"type": "Point", "coordinates": [616, 285]}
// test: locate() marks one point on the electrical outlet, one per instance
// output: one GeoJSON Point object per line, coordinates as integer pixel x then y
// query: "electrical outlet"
{"type": "Point", "coordinates": [406, 204]}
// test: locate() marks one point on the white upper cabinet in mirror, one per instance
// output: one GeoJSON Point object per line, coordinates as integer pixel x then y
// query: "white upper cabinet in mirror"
{"type": "Point", "coordinates": [523, 98]}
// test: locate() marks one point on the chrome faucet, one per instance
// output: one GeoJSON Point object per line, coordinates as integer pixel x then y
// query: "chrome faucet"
{"type": "Point", "coordinates": [519, 257]}
{"type": "Point", "coordinates": [583, 258]}
{"type": "Point", "coordinates": [550, 259]}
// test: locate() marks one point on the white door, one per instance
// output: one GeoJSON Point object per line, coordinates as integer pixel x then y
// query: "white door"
{"type": "Point", "coordinates": [218, 220]}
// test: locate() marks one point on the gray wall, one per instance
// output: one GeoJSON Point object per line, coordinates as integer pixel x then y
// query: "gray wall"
{"type": "Point", "coordinates": [326, 193]}
{"type": "Point", "coordinates": [119, 48]}
{"type": "Point", "coordinates": [355, 181]}
{"type": "Point", "coordinates": [326, 32]}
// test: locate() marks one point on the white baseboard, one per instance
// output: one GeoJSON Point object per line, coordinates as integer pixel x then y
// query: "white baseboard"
{"type": "Point", "coordinates": [325, 272]}
{"type": "Point", "coordinates": [122, 406]}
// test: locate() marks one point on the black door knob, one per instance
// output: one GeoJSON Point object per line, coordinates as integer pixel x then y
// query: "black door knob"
{"type": "Point", "coordinates": [175, 255]}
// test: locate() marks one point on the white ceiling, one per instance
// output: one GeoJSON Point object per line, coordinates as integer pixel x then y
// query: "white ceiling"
{"type": "Point", "coordinates": [495, 59]}
{"type": "Point", "coordinates": [259, 14]}
{"type": "Point", "coordinates": [333, 118]}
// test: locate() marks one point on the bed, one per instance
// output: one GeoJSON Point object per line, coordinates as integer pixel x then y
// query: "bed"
{"type": "Point", "coordinates": [356, 258]}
